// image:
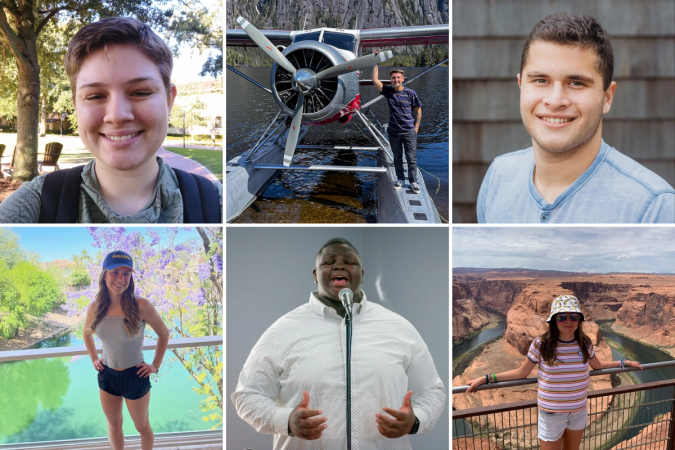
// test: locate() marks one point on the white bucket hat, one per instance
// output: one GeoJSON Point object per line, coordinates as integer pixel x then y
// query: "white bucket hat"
{"type": "Point", "coordinates": [565, 303]}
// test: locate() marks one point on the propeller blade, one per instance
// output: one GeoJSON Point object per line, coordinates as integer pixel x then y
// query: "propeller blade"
{"type": "Point", "coordinates": [355, 64]}
{"type": "Point", "coordinates": [265, 44]}
{"type": "Point", "coordinates": [293, 133]}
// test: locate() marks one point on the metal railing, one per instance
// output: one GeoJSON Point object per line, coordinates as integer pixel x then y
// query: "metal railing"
{"type": "Point", "coordinates": [635, 416]}
{"type": "Point", "coordinates": [210, 439]}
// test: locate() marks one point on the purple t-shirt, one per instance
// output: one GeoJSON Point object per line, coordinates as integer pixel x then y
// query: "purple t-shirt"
{"type": "Point", "coordinates": [401, 105]}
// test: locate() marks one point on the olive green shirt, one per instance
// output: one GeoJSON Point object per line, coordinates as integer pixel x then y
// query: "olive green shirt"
{"type": "Point", "coordinates": [165, 206]}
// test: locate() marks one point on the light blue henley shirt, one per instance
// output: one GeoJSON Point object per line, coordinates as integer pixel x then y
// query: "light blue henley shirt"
{"type": "Point", "coordinates": [614, 189]}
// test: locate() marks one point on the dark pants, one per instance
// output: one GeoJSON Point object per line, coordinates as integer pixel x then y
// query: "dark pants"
{"type": "Point", "coordinates": [407, 139]}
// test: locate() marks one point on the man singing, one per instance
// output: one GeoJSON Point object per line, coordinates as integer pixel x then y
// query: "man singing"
{"type": "Point", "coordinates": [293, 384]}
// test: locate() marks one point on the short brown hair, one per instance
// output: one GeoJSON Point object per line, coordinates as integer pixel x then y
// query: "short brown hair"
{"type": "Point", "coordinates": [118, 30]}
{"type": "Point", "coordinates": [393, 71]}
{"type": "Point", "coordinates": [576, 30]}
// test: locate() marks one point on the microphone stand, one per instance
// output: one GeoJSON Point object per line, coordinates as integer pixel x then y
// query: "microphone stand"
{"type": "Point", "coordinates": [348, 324]}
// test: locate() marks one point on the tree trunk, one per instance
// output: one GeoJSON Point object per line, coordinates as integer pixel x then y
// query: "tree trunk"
{"type": "Point", "coordinates": [27, 95]}
{"type": "Point", "coordinates": [43, 117]}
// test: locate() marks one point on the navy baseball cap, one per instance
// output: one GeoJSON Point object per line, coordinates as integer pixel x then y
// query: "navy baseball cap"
{"type": "Point", "coordinates": [118, 259]}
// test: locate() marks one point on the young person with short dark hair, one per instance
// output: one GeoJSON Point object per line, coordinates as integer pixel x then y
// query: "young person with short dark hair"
{"type": "Point", "coordinates": [120, 78]}
{"type": "Point", "coordinates": [570, 174]}
{"type": "Point", "coordinates": [293, 384]}
{"type": "Point", "coordinates": [405, 115]}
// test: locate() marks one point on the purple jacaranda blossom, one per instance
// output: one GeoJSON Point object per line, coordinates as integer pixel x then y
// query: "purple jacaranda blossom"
{"type": "Point", "coordinates": [204, 271]}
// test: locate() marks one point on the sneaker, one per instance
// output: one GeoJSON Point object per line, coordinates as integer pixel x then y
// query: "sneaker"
{"type": "Point", "coordinates": [398, 184]}
{"type": "Point", "coordinates": [415, 187]}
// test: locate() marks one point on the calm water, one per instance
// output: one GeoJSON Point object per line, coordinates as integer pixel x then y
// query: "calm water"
{"type": "Point", "coordinates": [633, 350]}
{"type": "Point", "coordinates": [331, 196]}
{"type": "Point", "coordinates": [58, 398]}
{"type": "Point", "coordinates": [478, 340]}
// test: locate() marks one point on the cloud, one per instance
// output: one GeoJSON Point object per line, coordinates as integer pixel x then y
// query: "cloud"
{"type": "Point", "coordinates": [622, 257]}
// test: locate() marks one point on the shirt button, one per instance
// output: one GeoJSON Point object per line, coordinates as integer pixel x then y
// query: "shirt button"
{"type": "Point", "coordinates": [544, 218]}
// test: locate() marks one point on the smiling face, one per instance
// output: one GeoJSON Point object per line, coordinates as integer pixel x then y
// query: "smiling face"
{"type": "Point", "coordinates": [117, 280]}
{"type": "Point", "coordinates": [566, 327]}
{"type": "Point", "coordinates": [122, 107]}
{"type": "Point", "coordinates": [562, 98]}
{"type": "Point", "coordinates": [338, 266]}
{"type": "Point", "coordinates": [397, 80]}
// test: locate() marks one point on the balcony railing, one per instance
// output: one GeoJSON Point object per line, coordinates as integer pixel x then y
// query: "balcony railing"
{"type": "Point", "coordinates": [202, 440]}
{"type": "Point", "coordinates": [637, 416]}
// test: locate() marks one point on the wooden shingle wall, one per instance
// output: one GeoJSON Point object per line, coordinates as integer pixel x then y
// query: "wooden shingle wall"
{"type": "Point", "coordinates": [488, 38]}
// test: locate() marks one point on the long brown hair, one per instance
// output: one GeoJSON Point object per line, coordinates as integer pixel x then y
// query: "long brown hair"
{"type": "Point", "coordinates": [129, 306]}
{"type": "Point", "coordinates": [549, 342]}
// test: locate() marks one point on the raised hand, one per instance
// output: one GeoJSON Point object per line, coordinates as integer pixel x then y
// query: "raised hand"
{"type": "Point", "coordinates": [301, 425]}
{"type": "Point", "coordinates": [401, 424]}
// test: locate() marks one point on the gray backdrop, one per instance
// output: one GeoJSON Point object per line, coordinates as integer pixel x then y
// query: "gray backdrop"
{"type": "Point", "coordinates": [269, 273]}
{"type": "Point", "coordinates": [487, 43]}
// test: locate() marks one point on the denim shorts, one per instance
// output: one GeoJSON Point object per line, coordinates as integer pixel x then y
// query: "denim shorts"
{"type": "Point", "coordinates": [124, 383]}
{"type": "Point", "coordinates": [551, 426]}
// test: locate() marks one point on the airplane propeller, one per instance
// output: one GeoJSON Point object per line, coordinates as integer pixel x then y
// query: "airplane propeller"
{"type": "Point", "coordinates": [305, 81]}
{"type": "Point", "coordinates": [264, 43]}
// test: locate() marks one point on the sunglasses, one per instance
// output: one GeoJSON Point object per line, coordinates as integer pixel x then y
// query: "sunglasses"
{"type": "Point", "coordinates": [563, 317]}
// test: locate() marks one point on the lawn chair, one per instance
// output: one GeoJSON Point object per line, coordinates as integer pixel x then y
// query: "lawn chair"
{"type": "Point", "coordinates": [51, 156]}
{"type": "Point", "coordinates": [10, 166]}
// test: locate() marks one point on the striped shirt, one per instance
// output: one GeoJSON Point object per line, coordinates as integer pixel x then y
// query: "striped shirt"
{"type": "Point", "coordinates": [563, 387]}
{"type": "Point", "coordinates": [401, 105]}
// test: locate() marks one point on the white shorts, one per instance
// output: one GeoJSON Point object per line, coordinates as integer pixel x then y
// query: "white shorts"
{"type": "Point", "coordinates": [551, 426]}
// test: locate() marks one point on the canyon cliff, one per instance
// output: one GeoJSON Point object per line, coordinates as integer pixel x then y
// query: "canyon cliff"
{"type": "Point", "coordinates": [468, 317]}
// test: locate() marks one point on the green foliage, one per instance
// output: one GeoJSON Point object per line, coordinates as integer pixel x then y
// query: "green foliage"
{"type": "Point", "coordinates": [38, 289]}
{"type": "Point", "coordinates": [80, 277]}
{"type": "Point", "coordinates": [194, 109]}
{"type": "Point", "coordinates": [10, 250]}
{"type": "Point", "coordinates": [202, 29]}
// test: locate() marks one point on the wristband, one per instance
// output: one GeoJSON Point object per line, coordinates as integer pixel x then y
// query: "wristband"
{"type": "Point", "coordinates": [494, 375]}
{"type": "Point", "coordinates": [487, 379]}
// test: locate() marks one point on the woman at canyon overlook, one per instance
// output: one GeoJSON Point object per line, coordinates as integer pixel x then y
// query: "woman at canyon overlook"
{"type": "Point", "coordinates": [563, 355]}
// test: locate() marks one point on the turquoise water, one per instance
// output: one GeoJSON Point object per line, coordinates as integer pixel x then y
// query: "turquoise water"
{"type": "Point", "coordinates": [58, 398]}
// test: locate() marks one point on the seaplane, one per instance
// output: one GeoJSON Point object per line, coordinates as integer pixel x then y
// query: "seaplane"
{"type": "Point", "coordinates": [315, 80]}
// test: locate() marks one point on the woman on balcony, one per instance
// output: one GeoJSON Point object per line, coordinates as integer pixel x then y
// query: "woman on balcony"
{"type": "Point", "coordinates": [563, 355]}
{"type": "Point", "coordinates": [118, 318]}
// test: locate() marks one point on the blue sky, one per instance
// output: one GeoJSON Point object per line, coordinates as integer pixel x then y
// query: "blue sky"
{"type": "Point", "coordinates": [574, 249]}
{"type": "Point", "coordinates": [63, 242]}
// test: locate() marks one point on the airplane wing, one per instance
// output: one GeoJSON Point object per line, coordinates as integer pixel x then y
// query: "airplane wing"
{"type": "Point", "coordinates": [239, 38]}
{"type": "Point", "coordinates": [374, 37]}
{"type": "Point", "coordinates": [392, 37]}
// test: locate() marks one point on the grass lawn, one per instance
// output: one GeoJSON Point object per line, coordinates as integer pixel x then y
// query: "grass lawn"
{"type": "Point", "coordinates": [211, 159]}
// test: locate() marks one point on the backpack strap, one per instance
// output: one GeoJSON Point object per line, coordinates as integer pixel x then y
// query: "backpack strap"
{"type": "Point", "coordinates": [59, 201]}
{"type": "Point", "coordinates": [201, 203]}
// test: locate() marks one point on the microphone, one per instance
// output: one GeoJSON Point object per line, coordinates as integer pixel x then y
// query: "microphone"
{"type": "Point", "coordinates": [347, 298]}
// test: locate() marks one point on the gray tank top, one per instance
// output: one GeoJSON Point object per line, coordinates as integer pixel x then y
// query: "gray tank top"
{"type": "Point", "coordinates": [120, 352]}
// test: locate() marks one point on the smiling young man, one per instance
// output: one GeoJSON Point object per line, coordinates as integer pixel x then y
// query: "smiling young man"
{"type": "Point", "coordinates": [405, 115]}
{"type": "Point", "coordinates": [293, 384]}
{"type": "Point", "coordinates": [570, 175]}
{"type": "Point", "coordinates": [120, 77]}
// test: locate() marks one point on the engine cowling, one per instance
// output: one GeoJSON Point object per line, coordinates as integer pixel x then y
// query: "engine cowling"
{"type": "Point", "coordinates": [322, 99]}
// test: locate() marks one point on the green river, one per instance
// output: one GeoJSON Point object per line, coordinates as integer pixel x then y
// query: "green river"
{"type": "Point", "coordinates": [622, 348]}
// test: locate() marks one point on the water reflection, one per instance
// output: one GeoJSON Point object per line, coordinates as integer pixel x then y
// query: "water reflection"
{"type": "Point", "coordinates": [333, 197]}
{"type": "Point", "coordinates": [29, 387]}
{"type": "Point", "coordinates": [58, 398]}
